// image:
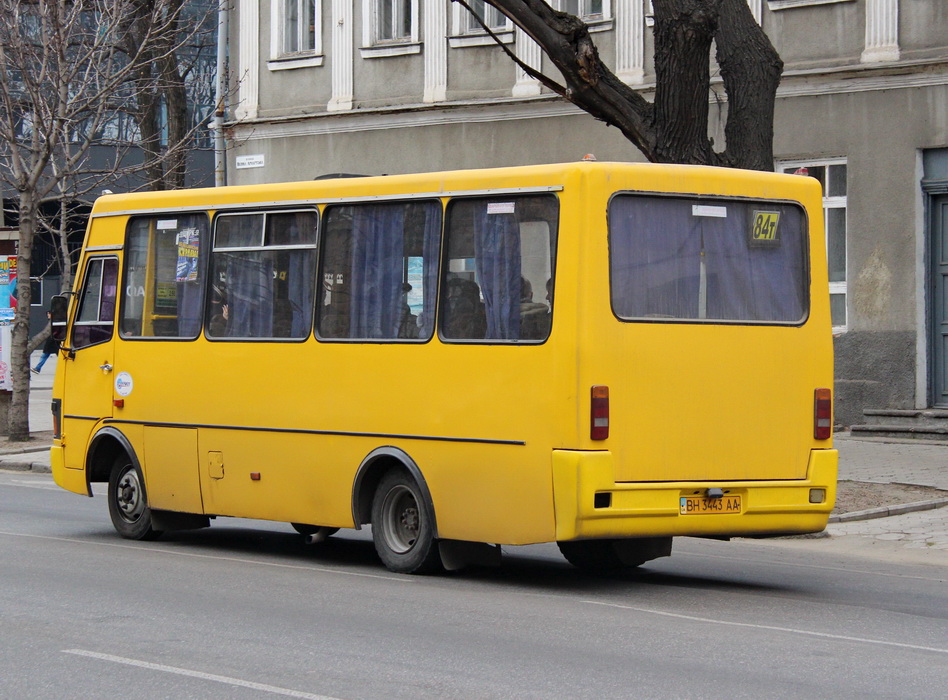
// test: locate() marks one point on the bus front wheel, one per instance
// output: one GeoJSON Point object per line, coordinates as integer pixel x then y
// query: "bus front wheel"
{"type": "Point", "coordinates": [403, 527]}
{"type": "Point", "coordinates": [128, 502]}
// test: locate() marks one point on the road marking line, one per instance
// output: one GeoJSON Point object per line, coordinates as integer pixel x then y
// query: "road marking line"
{"type": "Point", "coordinates": [198, 674]}
{"type": "Point", "coordinates": [32, 485]}
{"type": "Point", "coordinates": [143, 548]}
{"type": "Point", "coordinates": [769, 627]}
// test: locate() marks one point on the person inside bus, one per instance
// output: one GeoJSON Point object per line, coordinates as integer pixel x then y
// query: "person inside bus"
{"type": "Point", "coordinates": [534, 316]}
{"type": "Point", "coordinates": [465, 316]}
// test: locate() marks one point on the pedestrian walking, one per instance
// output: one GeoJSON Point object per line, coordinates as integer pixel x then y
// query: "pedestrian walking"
{"type": "Point", "coordinates": [50, 347]}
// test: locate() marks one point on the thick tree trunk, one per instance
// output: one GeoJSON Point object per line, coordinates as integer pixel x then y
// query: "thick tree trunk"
{"type": "Point", "coordinates": [673, 129]}
{"type": "Point", "coordinates": [684, 31]}
{"type": "Point", "coordinates": [751, 71]}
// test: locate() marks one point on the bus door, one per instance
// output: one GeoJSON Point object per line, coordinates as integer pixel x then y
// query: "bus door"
{"type": "Point", "coordinates": [88, 373]}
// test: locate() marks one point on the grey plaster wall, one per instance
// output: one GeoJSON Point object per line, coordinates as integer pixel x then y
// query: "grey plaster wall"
{"type": "Point", "coordinates": [874, 369]}
{"type": "Point", "coordinates": [819, 34]}
{"type": "Point", "coordinates": [436, 147]}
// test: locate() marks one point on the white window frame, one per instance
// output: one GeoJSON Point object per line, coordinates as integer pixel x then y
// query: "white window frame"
{"type": "Point", "coordinates": [837, 202]}
{"type": "Point", "coordinates": [463, 35]}
{"type": "Point", "coordinates": [775, 5]}
{"type": "Point", "coordinates": [283, 60]}
{"type": "Point", "coordinates": [374, 47]}
{"type": "Point", "coordinates": [597, 22]}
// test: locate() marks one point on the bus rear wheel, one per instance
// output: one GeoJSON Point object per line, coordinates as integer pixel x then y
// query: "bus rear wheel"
{"type": "Point", "coordinates": [128, 502]}
{"type": "Point", "coordinates": [403, 526]}
{"type": "Point", "coordinates": [614, 556]}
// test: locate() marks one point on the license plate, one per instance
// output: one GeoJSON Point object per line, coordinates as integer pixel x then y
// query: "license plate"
{"type": "Point", "coordinates": [699, 505]}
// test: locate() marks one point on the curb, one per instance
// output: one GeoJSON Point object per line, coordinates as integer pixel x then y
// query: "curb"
{"type": "Point", "coordinates": [35, 467]}
{"type": "Point", "coordinates": [886, 511]}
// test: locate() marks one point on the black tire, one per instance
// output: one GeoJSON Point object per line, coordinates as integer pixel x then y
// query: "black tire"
{"type": "Point", "coordinates": [307, 530]}
{"type": "Point", "coordinates": [128, 501]}
{"type": "Point", "coordinates": [593, 556]}
{"type": "Point", "coordinates": [403, 526]}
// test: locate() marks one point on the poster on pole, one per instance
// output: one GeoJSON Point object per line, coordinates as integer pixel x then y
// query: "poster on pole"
{"type": "Point", "coordinates": [7, 288]}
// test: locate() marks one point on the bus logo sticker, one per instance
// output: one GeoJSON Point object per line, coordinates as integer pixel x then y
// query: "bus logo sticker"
{"type": "Point", "coordinates": [764, 229]}
{"type": "Point", "coordinates": [123, 384]}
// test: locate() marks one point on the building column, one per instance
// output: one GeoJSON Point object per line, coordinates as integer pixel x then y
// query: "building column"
{"type": "Point", "coordinates": [341, 57]}
{"type": "Point", "coordinates": [248, 60]}
{"type": "Point", "coordinates": [436, 50]}
{"type": "Point", "coordinates": [882, 31]}
{"type": "Point", "coordinates": [529, 52]}
{"type": "Point", "coordinates": [756, 7]}
{"type": "Point", "coordinates": [630, 41]}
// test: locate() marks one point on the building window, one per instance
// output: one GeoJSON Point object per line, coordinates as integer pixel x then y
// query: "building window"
{"type": "Point", "coordinates": [584, 8]}
{"type": "Point", "coordinates": [787, 4]}
{"type": "Point", "coordinates": [299, 26]}
{"type": "Point", "coordinates": [466, 30]}
{"type": "Point", "coordinates": [390, 28]}
{"type": "Point", "coordinates": [295, 39]}
{"type": "Point", "coordinates": [596, 13]}
{"type": "Point", "coordinates": [832, 176]}
{"type": "Point", "coordinates": [393, 19]}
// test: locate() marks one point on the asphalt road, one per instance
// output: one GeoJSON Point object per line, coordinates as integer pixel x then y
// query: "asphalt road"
{"type": "Point", "coordinates": [245, 610]}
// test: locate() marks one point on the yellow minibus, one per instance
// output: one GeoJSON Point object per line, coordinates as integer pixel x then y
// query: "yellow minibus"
{"type": "Point", "coordinates": [601, 355]}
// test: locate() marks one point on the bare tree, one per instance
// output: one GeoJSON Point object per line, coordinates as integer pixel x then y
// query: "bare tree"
{"type": "Point", "coordinates": [78, 82]}
{"type": "Point", "coordinates": [674, 127]}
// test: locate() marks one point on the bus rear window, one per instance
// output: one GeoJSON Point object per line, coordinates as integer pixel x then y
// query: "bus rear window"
{"type": "Point", "coordinates": [697, 260]}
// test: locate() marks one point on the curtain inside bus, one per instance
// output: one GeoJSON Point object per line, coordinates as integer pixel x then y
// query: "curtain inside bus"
{"type": "Point", "coordinates": [497, 260]}
{"type": "Point", "coordinates": [377, 265]}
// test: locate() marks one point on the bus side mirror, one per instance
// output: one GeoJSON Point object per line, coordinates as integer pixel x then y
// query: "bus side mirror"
{"type": "Point", "coordinates": [58, 315]}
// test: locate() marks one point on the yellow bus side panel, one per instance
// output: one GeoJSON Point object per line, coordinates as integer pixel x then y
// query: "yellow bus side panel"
{"type": "Point", "coordinates": [70, 479]}
{"type": "Point", "coordinates": [173, 482]}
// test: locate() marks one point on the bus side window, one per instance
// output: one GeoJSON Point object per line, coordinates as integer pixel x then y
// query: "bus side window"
{"type": "Point", "coordinates": [263, 267]}
{"type": "Point", "coordinates": [499, 250]}
{"type": "Point", "coordinates": [97, 305]}
{"type": "Point", "coordinates": [379, 271]}
{"type": "Point", "coordinates": [165, 263]}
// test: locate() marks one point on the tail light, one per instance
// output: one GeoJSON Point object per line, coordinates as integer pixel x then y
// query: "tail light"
{"type": "Point", "coordinates": [822, 414]}
{"type": "Point", "coordinates": [57, 408]}
{"type": "Point", "coordinates": [599, 418]}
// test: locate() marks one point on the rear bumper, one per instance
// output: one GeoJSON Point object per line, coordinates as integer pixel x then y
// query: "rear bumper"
{"type": "Point", "coordinates": [650, 509]}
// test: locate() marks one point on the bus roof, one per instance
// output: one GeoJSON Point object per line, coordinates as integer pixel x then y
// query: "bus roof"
{"type": "Point", "coordinates": [678, 178]}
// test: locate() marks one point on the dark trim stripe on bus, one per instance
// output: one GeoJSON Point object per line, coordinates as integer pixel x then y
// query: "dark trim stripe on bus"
{"type": "Point", "coordinates": [303, 431]}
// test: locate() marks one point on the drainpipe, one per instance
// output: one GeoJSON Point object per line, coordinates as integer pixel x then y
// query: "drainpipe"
{"type": "Point", "coordinates": [220, 97]}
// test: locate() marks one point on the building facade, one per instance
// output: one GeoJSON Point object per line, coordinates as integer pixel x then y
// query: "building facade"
{"type": "Point", "coordinates": [395, 86]}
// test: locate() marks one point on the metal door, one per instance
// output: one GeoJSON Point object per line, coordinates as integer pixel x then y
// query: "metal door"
{"type": "Point", "coordinates": [939, 329]}
{"type": "Point", "coordinates": [88, 370]}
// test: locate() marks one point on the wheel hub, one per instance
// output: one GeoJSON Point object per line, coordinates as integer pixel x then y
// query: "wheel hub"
{"type": "Point", "coordinates": [129, 497]}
